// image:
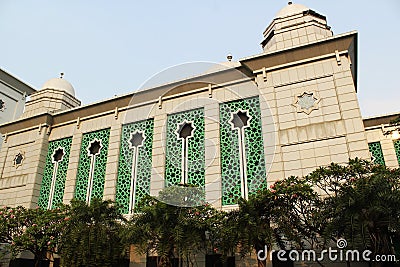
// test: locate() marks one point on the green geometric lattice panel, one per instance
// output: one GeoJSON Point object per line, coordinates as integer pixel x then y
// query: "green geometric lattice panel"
{"type": "Point", "coordinates": [99, 169]}
{"type": "Point", "coordinates": [396, 144]}
{"type": "Point", "coordinates": [196, 156]}
{"type": "Point", "coordinates": [143, 172]}
{"type": "Point", "coordinates": [59, 170]}
{"type": "Point", "coordinates": [376, 151]}
{"type": "Point", "coordinates": [230, 154]}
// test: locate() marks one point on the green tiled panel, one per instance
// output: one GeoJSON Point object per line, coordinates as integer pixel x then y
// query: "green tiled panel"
{"type": "Point", "coordinates": [376, 152]}
{"type": "Point", "coordinates": [229, 143]}
{"type": "Point", "coordinates": [100, 165]}
{"type": "Point", "coordinates": [196, 156]}
{"type": "Point", "coordinates": [396, 144]}
{"type": "Point", "coordinates": [61, 173]}
{"type": "Point", "coordinates": [143, 166]}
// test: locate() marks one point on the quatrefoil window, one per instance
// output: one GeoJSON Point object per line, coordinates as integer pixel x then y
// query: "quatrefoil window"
{"type": "Point", "coordinates": [306, 102]}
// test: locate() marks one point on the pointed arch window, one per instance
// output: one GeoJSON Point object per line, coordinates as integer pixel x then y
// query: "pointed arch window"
{"type": "Point", "coordinates": [184, 132]}
{"type": "Point", "coordinates": [56, 158]}
{"type": "Point", "coordinates": [93, 150]}
{"type": "Point", "coordinates": [135, 141]}
{"type": "Point", "coordinates": [240, 120]}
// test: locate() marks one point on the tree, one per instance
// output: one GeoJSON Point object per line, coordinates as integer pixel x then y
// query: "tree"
{"type": "Point", "coordinates": [171, 232]}
{"type": "Point", "coordinates": [253, 231]}
{"type": "Point", "coordinates": [92, 236]}
{"type": "Point", "coordinates": [283, 216]}
{"type": "Point", "coordinates": [359, 202]}
{"type": "Point", "coordinates": [11, 225]}
{"type": "Point", "coordinates": [41, 233]}
{"type": "Point", "coordinates": [34, 230]}
{"type": "Point", "coordinates": [295, 216]}
{"type": "Point", "coordinates": [362, 204]}
{"type": "Point", "coordinates": [222, 234]}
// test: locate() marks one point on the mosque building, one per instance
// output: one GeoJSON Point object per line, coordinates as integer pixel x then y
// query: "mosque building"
{"type": "Point", "coordinates": [231, 130]}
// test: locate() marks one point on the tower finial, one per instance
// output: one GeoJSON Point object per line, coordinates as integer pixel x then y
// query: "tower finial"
{"type": "Point", "coordinates": [61, 75]}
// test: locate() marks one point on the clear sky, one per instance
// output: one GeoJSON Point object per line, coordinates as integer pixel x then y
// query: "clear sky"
{"type": "Point", "coordinates": [108, 48]}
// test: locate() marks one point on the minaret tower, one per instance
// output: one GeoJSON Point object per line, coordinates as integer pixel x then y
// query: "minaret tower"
{"type": "Point", "coordinates": [294, 25]}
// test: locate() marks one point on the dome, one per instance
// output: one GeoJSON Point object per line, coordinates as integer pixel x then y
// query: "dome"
{"type": "Point", "coordinates": [59, 84]}
{"type": "Point", "coordinates": [291, 9]}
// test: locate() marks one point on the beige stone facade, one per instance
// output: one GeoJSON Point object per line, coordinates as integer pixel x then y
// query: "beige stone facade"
{"type": "Point", "coordinates": [383, 139]}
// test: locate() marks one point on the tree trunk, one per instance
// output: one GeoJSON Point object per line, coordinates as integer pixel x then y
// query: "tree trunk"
{"type": "Point", "coordinates": [261, 263]}
{"type": "Point", "coordinates": [37, 261]}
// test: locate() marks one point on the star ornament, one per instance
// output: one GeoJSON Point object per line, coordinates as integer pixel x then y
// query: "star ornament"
{"type": "Point", "coordinates": [240, 119]}
{"type": "Point", "coordinates": [19, 159]}
{"type": "Point", "coordinates": [306, 102]}
{"type": "Point", "coordinates": [94, 148]}
{"type": "Point", "coordinates": [58, 155]}
{"type": "Point", "coordinates": [185, 130]}
{"type": "Point", "coordinates": [136, 139]}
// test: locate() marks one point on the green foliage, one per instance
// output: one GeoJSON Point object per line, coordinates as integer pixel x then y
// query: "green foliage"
{"type": "Point", "coordinates": [171, 231]}
{"type": "Point", "coordinates": [295, 213]}
{"type": "Point", "coordinates": [34, 230]}
{"type": "Point", "coordinates": [359, 201]}
{"type": "Point", "coordinates": [11, 225]}
{"type": "Point", "coordinates": [183, 195]}
{"type": "Point", "coordinates": [365, 208]}
{"type": "Point", "coordinates": [282, 216]}
{"type": "Point", "coordinates": [253, 222]}
{"type": "Point", "coordinates": [92, 236]}
{"type": "Point", "coordinates": [42, 232]}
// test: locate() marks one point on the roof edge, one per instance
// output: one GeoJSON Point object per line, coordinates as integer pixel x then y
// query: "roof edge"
{"type": "Point", "coordinates": [16, 82]}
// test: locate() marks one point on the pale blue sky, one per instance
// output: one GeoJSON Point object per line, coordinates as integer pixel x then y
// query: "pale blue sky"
{"type": "Point", "coordinates": [109, 48]}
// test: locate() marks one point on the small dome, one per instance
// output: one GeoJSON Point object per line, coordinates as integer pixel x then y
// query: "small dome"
{"type": "Point", "coordinates": [59, 84]}
{"type": "Point", "coordinates": [291, 9]}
